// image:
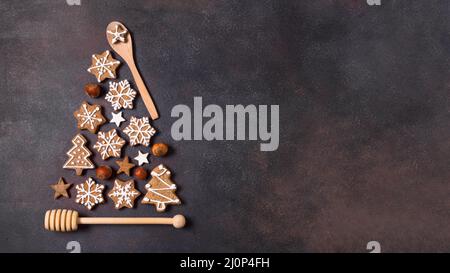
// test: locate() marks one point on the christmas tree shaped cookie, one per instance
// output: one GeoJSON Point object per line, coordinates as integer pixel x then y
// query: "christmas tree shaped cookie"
{"type": "Point", "coordinates": [161, 189]}
{"type": "Point", "coordinates": [78, 156]}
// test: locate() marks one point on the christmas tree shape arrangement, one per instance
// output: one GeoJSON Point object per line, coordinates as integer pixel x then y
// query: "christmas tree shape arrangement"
{"type": "Point", "coordinates": [161, 189]}
{"type": "Point", "coordinates": [78, 156]}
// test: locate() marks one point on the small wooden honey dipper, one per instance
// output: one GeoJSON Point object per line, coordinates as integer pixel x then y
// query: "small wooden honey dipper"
{"type": "Point", "coordinates": [65, 220]}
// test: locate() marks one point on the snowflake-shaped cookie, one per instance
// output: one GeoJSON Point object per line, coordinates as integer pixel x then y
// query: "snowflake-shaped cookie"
{"type": "Point", "coordinates": [120, 95]}
{"type": "Point", "coordinates": [118, 34]}
{"type": "Point", "coordinates": [109, 144]}
{"type": "Point", "coordinates": [89, 117]}
{"type": "Point", "coordinates": [123, 194]}
{"type": "Point", "coordinates": [89, 193]}
{"type": "Point", "coordinates": [103, 66]}
{"type": "Point", "coordinates": [139, 131]}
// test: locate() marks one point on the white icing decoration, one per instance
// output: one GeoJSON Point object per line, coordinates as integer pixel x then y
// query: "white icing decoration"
{"type": "Point", "coordinates": [89, 193]}
{"type": "Point", "coordinates": [89, 117]}
{"type": "Point", "coordinates": [125, 193]}
{"type": "Point", "coordinates": [139, 131]}
{"type": "Point", "coordinates": [78, 141]}
{"type": "Point", "coordinates": [102, 65]}
{"type": "Point", "coordinates": [117, 118]}
{"type": "Point", "coordinates": [109, 144]}
{"type": "Point", "coordinates": [141, 158]}
{"type": "Point", "coordinates": [167, 200]}
{"type": "Point", "coordinates": [120, 95]}
{"type": "Point", "coordinates": [117, 35]}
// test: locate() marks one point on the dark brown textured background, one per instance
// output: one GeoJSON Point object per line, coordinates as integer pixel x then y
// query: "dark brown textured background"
{"type": "Point", "coordinates": [364, 122]}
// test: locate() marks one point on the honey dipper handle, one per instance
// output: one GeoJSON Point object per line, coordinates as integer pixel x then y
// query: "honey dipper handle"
{"type": "Point", "coordinates": [178, 221]}
{"type": "Point", "coordinates": [148, 101]}
{"type": "Point", "coordinates": [123, 220]}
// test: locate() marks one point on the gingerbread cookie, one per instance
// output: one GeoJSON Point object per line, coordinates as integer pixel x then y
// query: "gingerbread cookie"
{"type": "Point", "coordinates": [120, 95]}
{"type": "Point", "coordinates": [118, 35]}
{"type": "Point", "coordinates": [78, 156]}
{"type": "Point", "coordinates": [124, 166]}
{"type": "Point", "coordinates": [60, 188]}
{"type": "Point", "coordinates": [89, 117]}
{"type": "Point", "coordinates": [89, 193]}
{"type": "Point", "coordinates": [103, 66]}
{"type": "Point", "coordinates": [161, 189]}
{"type": "Point", "coordinates": [109, 144]}
{"type": "Point", "coordinates": [139, 131]}
{"type": "Point", "coordinates": [123, 194]}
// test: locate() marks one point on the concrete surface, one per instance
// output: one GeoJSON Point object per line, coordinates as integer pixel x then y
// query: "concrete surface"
{"type": "Point", "coordinates": [364, 122]}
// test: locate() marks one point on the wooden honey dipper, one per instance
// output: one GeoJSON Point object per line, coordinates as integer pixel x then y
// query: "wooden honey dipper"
{"type": "Point", "coordinates": [65, 220]}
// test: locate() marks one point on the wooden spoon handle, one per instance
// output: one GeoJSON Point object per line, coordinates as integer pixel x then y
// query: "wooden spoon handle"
{"type": "Point", "coordinates": [148, 101]}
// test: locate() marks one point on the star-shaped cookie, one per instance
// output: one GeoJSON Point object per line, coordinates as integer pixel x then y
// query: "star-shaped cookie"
{"type": "Point", "coordinates": [89, 117]}
{"type": "Point", "coordinates": [123, 194]}
{"type": "Point", "coordinates": [141, 158]}
{"type": "Point", "coordinates": [117, 118]}
{"type": "Point", "coordinates": [124, 166]}
{"type": "Point", "coordinates": [103, 66]}
{"type": "Point", "coordinates": [61, 188]}
{"type": "Point", "coordinates": [118, 35]}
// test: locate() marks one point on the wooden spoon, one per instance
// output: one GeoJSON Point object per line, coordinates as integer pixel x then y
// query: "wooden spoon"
{"type": "Point", "coordinates": [125, 50]}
